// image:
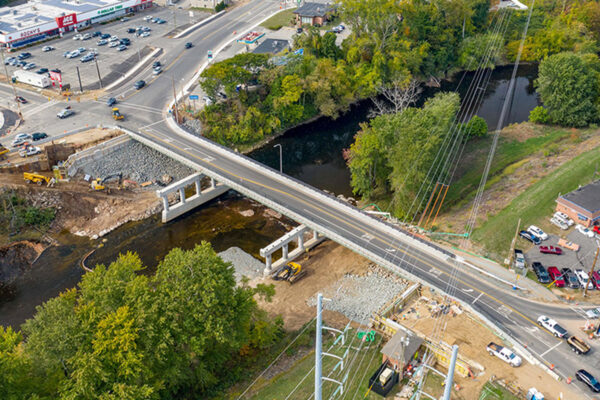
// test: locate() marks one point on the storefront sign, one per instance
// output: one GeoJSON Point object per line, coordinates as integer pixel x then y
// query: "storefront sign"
{"type": "Point", "coordinates": [110, 10]}
{"type": "Point", "coordinates": [66, 20]}
{"type": "Point", "coordinates": [29, 32]}
{"type": "Point", "coordinates": [56, 77]}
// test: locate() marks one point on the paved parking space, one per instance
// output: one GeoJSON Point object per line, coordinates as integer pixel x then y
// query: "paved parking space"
{"type": "Point", "coordinates": [112, 63]}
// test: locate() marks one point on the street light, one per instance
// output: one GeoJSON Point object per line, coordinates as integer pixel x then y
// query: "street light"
{"type": "Point", "coordinates": [280, 157]}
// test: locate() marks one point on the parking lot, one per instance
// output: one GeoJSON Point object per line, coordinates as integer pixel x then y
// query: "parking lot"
{"type": "Point", "coordinates": [112, 63]}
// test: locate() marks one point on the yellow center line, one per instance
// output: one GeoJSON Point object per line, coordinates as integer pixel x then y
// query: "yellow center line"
{"type": "Point", "coordinates": [167, 144]}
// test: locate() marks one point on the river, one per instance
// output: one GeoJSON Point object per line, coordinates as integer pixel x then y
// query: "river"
{"type": "Point", "coordinates": [311, 152]}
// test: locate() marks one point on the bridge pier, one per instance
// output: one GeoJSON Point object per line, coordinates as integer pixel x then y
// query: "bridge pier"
{"type": "Point", "coordinates": [185, 204]}
{"type": "Point", "coordinates": [296, 234]}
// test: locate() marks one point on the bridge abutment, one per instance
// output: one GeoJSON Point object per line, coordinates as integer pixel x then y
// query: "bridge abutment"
{"type": "Point", "coordinates": [185, 204]}
{"type": "Point", "coordinates": [296, 234]}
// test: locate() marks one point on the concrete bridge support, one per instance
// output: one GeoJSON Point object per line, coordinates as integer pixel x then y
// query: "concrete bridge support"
{"type": "Point", "coordinates": [297, 234]}
{"type": "Point", "coordinates": [171, 211]}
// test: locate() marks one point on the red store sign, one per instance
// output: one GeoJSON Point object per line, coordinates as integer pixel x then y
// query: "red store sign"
{"type": "Point", "coordinates": [66, 20]}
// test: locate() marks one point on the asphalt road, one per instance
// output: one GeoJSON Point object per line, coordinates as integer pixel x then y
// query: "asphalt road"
{"type": "Point", "coordinates": [144, 110]}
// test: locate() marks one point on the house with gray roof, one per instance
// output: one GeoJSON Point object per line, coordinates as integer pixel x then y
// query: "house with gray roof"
{"type": "Point", "coordinates": [313, 13]}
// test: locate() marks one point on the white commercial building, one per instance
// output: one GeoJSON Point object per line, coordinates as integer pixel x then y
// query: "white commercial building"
{"type": "Point", "coordinates": [39, 19]}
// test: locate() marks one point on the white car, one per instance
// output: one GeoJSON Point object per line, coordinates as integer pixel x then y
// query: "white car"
{"type": "Point", "coordinates": [534, 230]}
{"type": "Point", "coordinates": [102, 42]}
{"type": "Point", "coordinates": [114, 44]}
{"type": "Point", "coordinates": [504, 353]}
{"type": "Point", "coordinates": [65, 113]}
{"type": "Point", "coordinates": [30, 151]}
{"type": "Point", "coordinates": [29, 66]}
{"type": "Point", "coordinates": [552, 326]}
{"type": "Point", "coordinates": [113, 39]}
{"type": "Point", "coordinates": [584, 231]}
{"type": "Point", "coordinates": [87, 36]}
{"type": "Point", "coordinates": [584, 279]}
{"type": "Point", "coordinates": [564, 217]}
{"type": "Point", "coordinates": [73, 54]}
{"type": "Point", "coordinates": [20, 139]}
{"type": "Point", "coordinates": [79, 36]}
{"type": "Point", "coordinates": [47, 48]}
{"type": "Point", "coordinates": [156, 71]}
{"type": "Point", "coordinates": [148, 18]}
{"type": "Point", "coordinates": [145, 34]}
{"type": "Point", "coordinates": [559, 222]}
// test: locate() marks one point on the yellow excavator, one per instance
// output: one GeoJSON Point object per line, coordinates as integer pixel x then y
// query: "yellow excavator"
{"type": "Point", "coordinates": [35, 178]}
{"type": "Point", "coordinates": [99, 183]}
{"type": "Point", "coordinates": [116, 114]}
{"type": "Point", "coordinates": [3, 152]}
{"type": "Point", "coordinates": [291, 272]}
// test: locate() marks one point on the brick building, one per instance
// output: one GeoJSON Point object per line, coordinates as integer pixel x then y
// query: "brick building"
{"type": "Point", "coordinates": [315, 14]}
{"type": "Point", "coordinates": [582, 205]}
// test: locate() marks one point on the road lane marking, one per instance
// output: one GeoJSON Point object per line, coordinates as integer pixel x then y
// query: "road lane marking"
{"type": "Point", "coordinates": [550, 349]}
{"type": "Point", "coordinates": [477, 298]}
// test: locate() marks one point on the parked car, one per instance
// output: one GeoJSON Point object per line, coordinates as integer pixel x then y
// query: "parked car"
{"type": "Point", "coordinates": [587, 378]}
{"type": "Point", "coordinates": [55, 70]}
{"type": "Point", "coordinates": [20, 139]}
{"type": "Point", "coordinates": [139, 84]}
{"type": "Point", "coordinates": [595, 279]}
{"type": "Point", "coordinates": [96, 34]}
{"type": "Point", "coordinates": [131, 30]}
{"type": "Point", "coordinates": [21, 64]}
{"type": "Point", "coordinates": [42, 71]}
{"type": "Point", "coordinates": [564, 217]}
{"type": "Point", "coordinates": [81, 50]}
{"type": "Point", "coordinates": [559, 222]}
{"type": "Point", "coordinates": [102, 42]}
{"type": "Point", "coordinates": [65, 113]}
{"type": "Point", "coordinates": [105, 36]}
{"type": "Point", "coordinates": [519, 259]}
{"type": "Point", "coordinates": [156, 71]}
{"type": "Point", "coordinates": [540, 272]}
{"type": "Point", "coordinates": [207, 100]}
{"type": "Point", "coordinates": [87, 36]}
{"type": "Point", "coordinates": [578, 345]}
{"type": "Point", "coordinates": [529, 236]}
{"type": "Point", "coordinates": [156, 64]}
{"type": "Point", "coordinates": [114, 44]}
{"type": "Point", "coordinates": [596, 229]}
{"type": "Point", "coordinates": [66, 54]}
{"type": "Point", "coordinates": [87, 58]}
{"type": "Point", "coordinates": [144, 34]}
{"type": "Point", "coordinates": [47, 48]}
{"type": "Point", "coordinates": [30, 151]}
{"type": "Point", "coordinates": [74, 54]}
{"type": "Point", "coordinates": [125, 41]}
{"type": "Point", "coordinates": [503, 353]}
{"type": "Point", "coordinates": [122, 48]}
{"type": "Point", "coordinates": [556, 276]}
{"type": "Point", "coordinates": [161, 21]}
{"type": "Point", "coordinates": [148, 18]}
{"type": "Point", "coordinates": [24, 56]}
{"type": "Point", "coordinates": [537, 232]}
{"type": "Point", "coordinates": [570, 278]}
{"type": "Point", "coordinates": [20, 99]}
{"type": "Point", "coordinates": [551, 250]}
{"type": "Point", "coordinates": [29, 66]}
{"type": "Point", "coordinates": [584, 231]}
{"type": "Point", "coordinates": [38, 136]}
{"type": "Point", "coordinates": [584, 279]}
{"type": "Point", "coordinates": [568, 245]}
{"type": "Point", "coordinates": [338, 29]}
{"type": "Point", "coordinates": [78, 36]}
{"type": "Point", "coordinates": [155, 19]}
{"type": "Point", "coordinates": [9, 60]}
{"type": "Point", "coordinates": [111, 101]}
{"type": "Point", "coordinates": [552, 326]}
{"type": "Point", "coordinates": [113, 38]}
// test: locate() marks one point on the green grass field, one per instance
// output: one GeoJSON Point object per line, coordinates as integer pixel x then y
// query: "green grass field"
{"type": "Point", "coordinates": [536, 203]}
{"type": "Point", "coordinates": [492, 391]}
{"type": "Point", "coordinates": [280, 19]}
{"type": "Point", "coordinates": [360, 367]}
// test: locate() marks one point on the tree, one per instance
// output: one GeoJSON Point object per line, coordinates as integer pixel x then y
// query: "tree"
{"type": "Point", "coordinates": [539, 115]}
{"type": "Point", "coordinates": [483, 47]}
{"type": "Point", "coordinates": [228, 74]}
{"type": "Point", "coordinates": [397, 95]}
{"type": "Point", "coordinates": [568, 85]}
{"type": "Point", "coordinates": [328, 47]}
{"type": "Point", "coordinates": [476, 127]}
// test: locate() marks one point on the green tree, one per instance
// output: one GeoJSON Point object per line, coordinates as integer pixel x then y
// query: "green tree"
{"type": "Point", "coordinates": [539, 115]}
{"type": "Point", "coordinates": [476, 127]}
{"type": "Point", "coordinates": [568, 85]}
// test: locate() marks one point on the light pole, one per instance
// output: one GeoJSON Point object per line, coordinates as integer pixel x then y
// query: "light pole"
{"type": "Point", "coordinates": [280, 157]}
{"type": "Point", "coordinates": [10, 82]}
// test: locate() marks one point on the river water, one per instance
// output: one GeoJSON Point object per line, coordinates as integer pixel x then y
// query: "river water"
{"type": "Point", "coordinates": [311, 152]}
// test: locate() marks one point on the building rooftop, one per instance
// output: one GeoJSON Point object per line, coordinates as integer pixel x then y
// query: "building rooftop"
{"type": "Point", "coordinates": [402, 346]}
{"type": "Point", "coordinates": [313, 9]}
{"type": "Point", "coordinates": [271, 46]}
{"type": "Point", "coordinates": [586, 197]}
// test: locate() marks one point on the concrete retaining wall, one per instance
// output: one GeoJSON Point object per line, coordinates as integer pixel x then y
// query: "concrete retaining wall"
{"type": "Point", "coordinates": [78, 160]}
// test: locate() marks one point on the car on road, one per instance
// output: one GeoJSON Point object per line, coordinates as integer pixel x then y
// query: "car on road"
{"type": "Point", "coordinates": [156, 64]}
{"type": "Point", "coordinates": [540, 272]}
{"type": "Point", "coordinates": [595, 279]}
{"type": "Point", "coordinates": [156, 71]}
{"type": "Point", "coordinates": [65, 113]}
{"type": "Point", "coordinates": [189, 45]}
{"type": "Point", "coordinates": [42, 71]}
{"type": "Point", "coordinates": [139, 84]}
{"type": "Point", "coordinates": [577, 345]}
{"type": "Point", "coordinates": [113, 44]}
{"type": "Point", "coordinates": [556, 276]}
{"type": "Point", "coordinates": [20, 99]}
{"type": "Point", "coordinates": [29, 66]}
{"type": "Point", "coordinates": [38, 136]}
{"type": "Point", "coordinates": [20, 139]}
{"type": "Point", "coordinates": [111, 101]}
{"type": "Point", "coordinates": [552, 326]}
{"type": "Point", "coordinates": [564, 217]}
{"type": "Point", "coordinates": [570, 278]}
{"type": "Point", "coordinates": [79, 36]}
{"type": "Point", "coordinates": [584, 231]}
{"type": "Point", "coordinates": [30, 151]}
{"type": "Point", "coordinates": [584, 279]}
{"type": "Point", "coordinates": [531, 237]}
{"type": "Point", "coordinates": [559, 222]}
{"type": "Point", "coordinates": [587, 378]}
{"type": "Point", "coordinates": [551, 250]}
{"type": "Point", "coordinates": [537, 232]}
{"type": "Point", "coordinates": [24, 56]}
{"type": "Point", "coordinates": [47, 48]}
{"type": "Point", "coordinates": [102, 42]}
{"type": "Point", "coordinates": [122, 48]}
{"type": "Point", "coordinates": [105, 36]}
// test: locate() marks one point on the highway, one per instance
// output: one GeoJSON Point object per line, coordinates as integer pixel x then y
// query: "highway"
{"type": "Point", "coordinates": [145, 110]}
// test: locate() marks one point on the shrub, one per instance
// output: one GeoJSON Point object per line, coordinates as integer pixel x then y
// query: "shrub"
{"type": "Point", "coordinates": [220, 7]}
{"type": "Point", "coordinates": [476, 127]}
{"type": "Point", "coordinates": [539, 115]}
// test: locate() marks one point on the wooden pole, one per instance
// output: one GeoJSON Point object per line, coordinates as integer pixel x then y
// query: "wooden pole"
{"type": "Point", "coordinates": [512, 245]}
{"type": "Point", "coordinates": [591, 272]}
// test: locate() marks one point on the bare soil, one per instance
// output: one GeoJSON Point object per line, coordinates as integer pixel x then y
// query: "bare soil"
{"type": "Point", "coordinates": [16, 257]}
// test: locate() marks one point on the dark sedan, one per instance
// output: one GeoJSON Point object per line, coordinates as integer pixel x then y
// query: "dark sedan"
{"type": "Point", "coordinates": [570, 277]}
{"type": "Point", "coordinates": [38, 136]}
{"type": "Point", "coordinates": [540, 272]}
{"type": "Point", "coordinates": [528, 236]}
{"type": "Point", "coordinates": [587, 378]}
{"type": "Point", "coordinates": [21, 100]}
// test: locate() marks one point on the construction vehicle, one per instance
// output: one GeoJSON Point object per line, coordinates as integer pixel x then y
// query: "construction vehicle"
{"type": "Point", "coordinates": [99, 183]}
{"type": "Point", "coordinates": [291, 272]}
{"type": "Point", "coordinates": [3, 152]}
{"type": "Point", "coordinates": [32, 177]}
{"type": "Point", "coordinates": [578, 345]}
{"type": "Point", "coordinates": [116, 114]}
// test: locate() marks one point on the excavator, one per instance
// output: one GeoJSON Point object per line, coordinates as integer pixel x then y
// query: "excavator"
{"type": "Point", "coordinates": [291, 272]}
{"type": "Point", "coordinates": [3, 152]}
{"type": "Point", "coordinates": [116, 114]}
{"type": "Point", "coordinates": [32, 177]}
{"type": "Point", "coordinates": [99, 183]}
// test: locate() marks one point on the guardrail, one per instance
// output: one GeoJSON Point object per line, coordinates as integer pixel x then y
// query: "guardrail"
{"type": "Point", "coordinates": [198, 25]}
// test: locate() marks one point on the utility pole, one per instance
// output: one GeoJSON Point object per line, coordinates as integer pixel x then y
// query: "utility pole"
{"type": "Point", "coordinates": [98, 70]}
{"type": "Point", "coordinates": [591, 272]}
{"type": "Point", "coordinates": [512, 244]}
{"type": "Point", "coordinates": [175, 99]}
{"type": "Point", "coordinates": [79, 77]}
{"type": "Point", "coordinates": [450, 376]}
{"type": "Point", "coordinates": [11, 84]}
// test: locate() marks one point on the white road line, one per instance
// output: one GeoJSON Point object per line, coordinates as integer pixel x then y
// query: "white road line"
{"type": "Point", "coordinates": [477, 298]}
{"type": "Point", "coordinates": [149, 125]}
{"type": "Point", "coordinates": [550, 349]}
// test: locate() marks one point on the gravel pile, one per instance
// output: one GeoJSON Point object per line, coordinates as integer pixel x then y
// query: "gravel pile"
{"type": "Point", "coordinates": [358, 297]}
{"type": "Point", "coordinates": [194, 126]}
{"type": "Point", "coordinates": [244, 263]}
{"type": "Point", "coordinates": [138, 163]}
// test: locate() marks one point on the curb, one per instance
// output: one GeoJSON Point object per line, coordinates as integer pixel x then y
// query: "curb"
{"type": "Point", "coordinates": [133, 70]}
{"type": "Point", "coordinates": [198, 25]}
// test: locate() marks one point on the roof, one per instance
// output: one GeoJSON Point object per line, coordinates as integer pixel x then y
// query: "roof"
{"type": "Point", "coordinates": [402, 346]}
{"type": "Point", "coordinates": [313, 9]}
{"type": "Point", "coordinates": [272, 46]}
{"type": "Point", "coordinates": [586, 197]}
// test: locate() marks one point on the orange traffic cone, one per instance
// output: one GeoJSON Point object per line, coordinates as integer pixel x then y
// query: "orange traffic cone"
{"type": "Point", "coordinates": [569, 379]}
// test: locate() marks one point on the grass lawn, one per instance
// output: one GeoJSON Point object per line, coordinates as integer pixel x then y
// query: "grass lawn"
{"type": "Point", "coordinates": [359, 366]}
{"type": "Point", "coordinates": [280, 19]}
{"type": "Point", "coordinates": [491, 391]}
{"type": "Point", "coordinates": [536, 203]}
